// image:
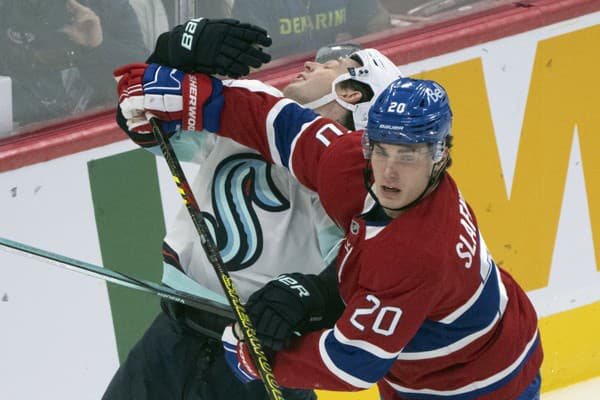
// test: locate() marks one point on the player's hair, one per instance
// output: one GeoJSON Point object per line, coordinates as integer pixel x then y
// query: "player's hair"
{"type": "Point", "coordinates": [449, 143]}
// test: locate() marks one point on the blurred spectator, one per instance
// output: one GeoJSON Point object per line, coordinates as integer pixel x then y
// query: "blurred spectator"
{"type": "Point", "coordinates": [170, 8]}
{"type": "Point", "coordinates": [214, 8]}
{"type": "Point", "coordinates": [153, 20]}
{"type": "Point", "coordinates": [60, 53]}
{"type": "Point", "coordinates": [304, 25]}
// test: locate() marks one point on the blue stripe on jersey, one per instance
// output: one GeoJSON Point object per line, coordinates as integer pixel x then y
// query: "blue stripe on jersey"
{"type": "Point", "coordinates": [287, 125]}
{"type": "Point", "coordinates": [355, 361]}
{"type": "Point", "coordinates": [435, 335]}
{"type": "Point", "coordinates": [473, 394]}
{"type": "Point", "coordinates": [211, 111]}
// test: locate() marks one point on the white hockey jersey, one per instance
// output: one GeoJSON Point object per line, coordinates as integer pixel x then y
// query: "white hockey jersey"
{"type": "Point", "coordinates": [263, 221]}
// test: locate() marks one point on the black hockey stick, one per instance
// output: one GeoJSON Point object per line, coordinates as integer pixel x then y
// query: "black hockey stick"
{"type": "Point", "coordinates": [119, 278]}
{"type": "Point", "coordinates": [256, 352]}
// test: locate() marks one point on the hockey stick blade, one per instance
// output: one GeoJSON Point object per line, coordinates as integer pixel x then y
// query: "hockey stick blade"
{"type": "Point", "coordinates": [118, 278]}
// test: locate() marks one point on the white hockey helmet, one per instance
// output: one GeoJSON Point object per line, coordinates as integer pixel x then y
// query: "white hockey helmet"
{"type": "Point", "coordinates": [377, 72]}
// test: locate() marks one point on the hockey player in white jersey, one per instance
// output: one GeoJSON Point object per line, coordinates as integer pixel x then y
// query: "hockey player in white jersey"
{"type": "Point", "coordinates": [264, 223]}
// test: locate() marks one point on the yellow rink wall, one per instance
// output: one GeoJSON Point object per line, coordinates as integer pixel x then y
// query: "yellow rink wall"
{"type": "Point", "coordinates": [521, 229]}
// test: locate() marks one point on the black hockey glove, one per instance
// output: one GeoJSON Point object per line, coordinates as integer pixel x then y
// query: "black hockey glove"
{"type": "Point", "coordinates": [293, 303]}
{"type": "Point", "coordinates": [213, 46]}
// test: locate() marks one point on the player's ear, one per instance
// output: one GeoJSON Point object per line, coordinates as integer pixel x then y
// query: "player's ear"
{"type": "Point", "coordinates": [349, 95]}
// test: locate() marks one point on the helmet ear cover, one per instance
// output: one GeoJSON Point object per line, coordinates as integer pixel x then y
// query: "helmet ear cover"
{"type": "Point", "coordinates": [376, 73]}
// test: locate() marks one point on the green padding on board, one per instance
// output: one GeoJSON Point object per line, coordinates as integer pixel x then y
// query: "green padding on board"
{"type": "Point", "coordinates": [129, 219]}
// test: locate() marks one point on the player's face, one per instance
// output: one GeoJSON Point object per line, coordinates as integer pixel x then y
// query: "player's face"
{"type": "Point", "coordinates": [315, 80]}
{"type": "Point", "coordinates": [401, 174]}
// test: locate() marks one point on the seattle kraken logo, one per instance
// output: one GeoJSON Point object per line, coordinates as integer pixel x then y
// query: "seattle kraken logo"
{"type": "Point", "coordinates": [239, 181]}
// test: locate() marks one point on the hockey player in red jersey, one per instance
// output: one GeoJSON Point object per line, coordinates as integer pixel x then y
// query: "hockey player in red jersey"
{"type": "Point", "coordinates": [428, 314]}
{"type": "Point", "coordinates": [248, 205]}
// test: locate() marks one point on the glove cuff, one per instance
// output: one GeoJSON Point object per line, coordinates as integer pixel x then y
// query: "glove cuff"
{"type": "Point", "coordinates": [238, 357]}
{"type": "Point", "coordinates": [246, 361]}
{"type": "Point", "coordinates": [196, 90]}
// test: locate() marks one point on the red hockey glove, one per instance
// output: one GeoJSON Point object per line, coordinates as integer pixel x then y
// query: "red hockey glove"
{"type": "Point", "coordinates": [238, 356]}
{"type": "Point", "coordinates": [187, 101]}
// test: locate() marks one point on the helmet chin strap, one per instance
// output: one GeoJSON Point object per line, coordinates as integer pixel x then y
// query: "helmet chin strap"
{"type": "Point", "coordinates": [331, 96]}
{"type": "Point", "coordinates": [320, 102]}
{"type": "Point", "coordinates": [434, 178]}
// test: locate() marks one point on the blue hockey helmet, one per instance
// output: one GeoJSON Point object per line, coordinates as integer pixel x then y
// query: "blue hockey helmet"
{"type": "Point", "coordinates": [409, 111]}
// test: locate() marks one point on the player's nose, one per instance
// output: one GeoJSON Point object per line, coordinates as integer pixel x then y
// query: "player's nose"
{"type": "Point", "coordinates": [390, 170]}
{"type": "Point", "coordinates": [310, 65]}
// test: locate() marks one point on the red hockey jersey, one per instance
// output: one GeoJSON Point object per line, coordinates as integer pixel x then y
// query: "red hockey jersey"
{"type": "Point", "coordinates": [428, 315]}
